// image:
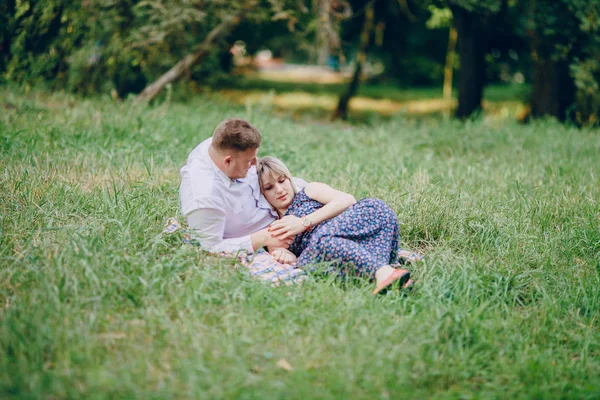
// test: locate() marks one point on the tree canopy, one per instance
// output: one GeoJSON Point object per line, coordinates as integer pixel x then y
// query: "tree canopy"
{"type": "Point", "coordinates": [124, 46]}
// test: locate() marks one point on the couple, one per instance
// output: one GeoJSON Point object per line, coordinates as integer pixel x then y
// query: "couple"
{"type": "Point", "coordinates": [231, 203]}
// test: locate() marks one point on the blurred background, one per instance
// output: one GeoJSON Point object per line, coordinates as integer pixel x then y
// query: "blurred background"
{"type": "Point", "coordinates": [318, 59]}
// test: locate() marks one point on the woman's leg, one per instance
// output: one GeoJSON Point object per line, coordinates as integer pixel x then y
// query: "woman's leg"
{"type": "Point", "coordinates": [346, 252]}
{"type": "Point", "coordinates": [384, 237]}
{"type": "Point", "coordinates": [343, 252]}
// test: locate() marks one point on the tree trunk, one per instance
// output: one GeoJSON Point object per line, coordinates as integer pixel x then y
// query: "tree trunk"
{"type": "Point", "coordinates": [471, 75]}
{"type": "Point", "coordinates": [448, 71]}
{"type": "Point", "coordinates": [341, 110]}
{"type": "Point", "coordinates": [7, 15]}
{"type": "Point", "coordinates": [553, 89]}
{"type": "Point", "coordinates": [323, 30]}
{"type": "Point", "coordinates": [218, 32]}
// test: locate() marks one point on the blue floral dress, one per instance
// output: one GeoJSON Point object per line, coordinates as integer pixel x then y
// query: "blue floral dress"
{"type": "Point", "coordinates": [365, 236]}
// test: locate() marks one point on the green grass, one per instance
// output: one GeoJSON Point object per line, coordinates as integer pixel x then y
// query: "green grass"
{"type": "Point", "coordinates": [94, 303]}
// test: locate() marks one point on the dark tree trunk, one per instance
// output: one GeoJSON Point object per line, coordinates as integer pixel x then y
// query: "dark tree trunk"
{"type": "Point", "coordinates": [553, 89]}
{"type": "Point", "coordinates": [341, 110]}
{"type": "Point", "coordinates": [471, 50]}
{"type": "Point", "coordinates": [7, 15]}
{"type": "Point", "coordinates": [153, 90]}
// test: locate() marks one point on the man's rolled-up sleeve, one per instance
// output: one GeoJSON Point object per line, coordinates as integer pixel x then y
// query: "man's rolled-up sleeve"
{"type": "Point", "coordinates": [208, 224]}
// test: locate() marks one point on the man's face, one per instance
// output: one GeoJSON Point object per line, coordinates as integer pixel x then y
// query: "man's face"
{"type": "Point", "coordinates": [240, 163]}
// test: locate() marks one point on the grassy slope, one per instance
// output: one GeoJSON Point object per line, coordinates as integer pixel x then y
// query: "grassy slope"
{"type": "Point", "coordinates": [94, 303]}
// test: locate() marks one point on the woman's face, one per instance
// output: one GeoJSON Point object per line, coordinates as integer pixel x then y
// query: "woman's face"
{"type": "Point", "coordinates": [278, 191]}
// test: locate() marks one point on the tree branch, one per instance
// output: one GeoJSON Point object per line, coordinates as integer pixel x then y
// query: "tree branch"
{"type": "Point", "coordinates": [152, 90]}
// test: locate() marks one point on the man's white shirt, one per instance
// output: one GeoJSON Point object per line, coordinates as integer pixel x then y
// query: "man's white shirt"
{"type": "Point", "coordinates": [222, 212]}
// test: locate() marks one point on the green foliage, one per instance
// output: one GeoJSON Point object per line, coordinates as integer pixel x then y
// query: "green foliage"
{"type": "Point", "coordinates": [570, 30]}
{"type": "Point", "coordinates": [482, 7]}
{"type": "Point", "coordinates": [439, 18]}
{"type": "Point", "coordinates": [412, 54]}
{"type": "Point", "coordinates": [104, 62]}
{"type": "Point", "coordinates": [479, 6]}
{"type": "Point", "coordinates": [44, 34]}
{"type": "Point", "coordinates": [587, 77]}
{"type": "Point", "coordinates": [96, 304]}
{"type": "Point", "coordinates": [116, 45]}
{"type": "Point", "coordinates": [7, 11]}
{"type": "Point", "coordinates": [585, 68]}
{"type": "Point", "coordinates": [72, 45]}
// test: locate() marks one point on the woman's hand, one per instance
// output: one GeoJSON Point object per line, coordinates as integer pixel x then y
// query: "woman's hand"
{"type": "Point", "coordinates": [286, 227]}
{"type": "Point", "coordinates": [284, 256]}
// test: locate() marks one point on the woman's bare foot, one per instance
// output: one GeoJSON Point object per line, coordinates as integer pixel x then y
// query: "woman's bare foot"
{"type": "Point", "coordinates": [387, 275]}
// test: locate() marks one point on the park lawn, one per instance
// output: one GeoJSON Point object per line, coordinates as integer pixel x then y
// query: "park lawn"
{"type": "Point", "coordinates": [95, 303]}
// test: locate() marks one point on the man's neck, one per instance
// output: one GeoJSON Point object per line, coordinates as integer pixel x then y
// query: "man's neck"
{"type": "Point", "coordinates": [216, 158]}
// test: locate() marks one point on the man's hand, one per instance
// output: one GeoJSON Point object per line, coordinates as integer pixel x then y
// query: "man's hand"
{"type": "Point", "coordinates": [284, 256]}
{"type": "Point", "coordinates": [286, 227]}
{"type": "Point", "coordinates": [264, 238]}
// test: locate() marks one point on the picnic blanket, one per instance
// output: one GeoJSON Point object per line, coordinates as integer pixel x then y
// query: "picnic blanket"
{"type": "Point", "coordinates": [260, 265]}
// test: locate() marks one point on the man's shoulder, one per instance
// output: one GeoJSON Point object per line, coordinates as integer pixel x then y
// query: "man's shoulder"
{"type": "Point", "coordinates": [198, 162]}
{"type": "Point", "coordinates": [200, 152]}
{"type": "Point", "coordinates": [198, 174]}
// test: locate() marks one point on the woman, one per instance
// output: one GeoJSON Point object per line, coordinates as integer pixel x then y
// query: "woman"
{"type": "Point", "coordinates": [330, 225]}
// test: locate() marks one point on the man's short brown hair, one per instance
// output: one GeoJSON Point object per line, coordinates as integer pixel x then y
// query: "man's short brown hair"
{"type": "Point", "coordinates": [236, 134]}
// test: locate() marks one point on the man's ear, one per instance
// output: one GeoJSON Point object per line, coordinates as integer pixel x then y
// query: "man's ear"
{"type": "Point", "coordinates": [227, 160]}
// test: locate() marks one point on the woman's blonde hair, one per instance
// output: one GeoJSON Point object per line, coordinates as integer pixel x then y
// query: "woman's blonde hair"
{"type": "Point", "coordinates": [275, 168]}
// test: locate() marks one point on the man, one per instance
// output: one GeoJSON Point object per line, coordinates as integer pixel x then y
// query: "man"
{"type": "Point", "coordinates": [220, 195]}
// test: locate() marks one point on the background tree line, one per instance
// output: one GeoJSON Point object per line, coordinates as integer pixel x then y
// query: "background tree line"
{"type": "Point", "coordinates": [132, 46]}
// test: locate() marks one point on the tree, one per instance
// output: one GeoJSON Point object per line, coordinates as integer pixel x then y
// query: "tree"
{"type": "Point", "coordinates": [330, 14]}
{"type": "Point", "coordinates": [36, 40]}
{"type": "Point", "coordinates": [224, 17]}
{"type": "Point", "coordinates": [442, 18]}
{"type": "Point", "coordinates": [341, 110]}
{"type": "Point", "coordinates": [118, 46]}
{"type": "Point", "coordinates": [68, 44]}
{"type": "Point", "coordinates": [7, 12]}
{"type": "Point", "coordinates": [566, 52]}
{"type": "Point", "coordinates": [553, 89]}
{"type": "Point", "coordinates": [191, 59]}
{"type": "Point", "coordinates": [470, 20]}
{"type": "Point", "coordinates": [389, 33]}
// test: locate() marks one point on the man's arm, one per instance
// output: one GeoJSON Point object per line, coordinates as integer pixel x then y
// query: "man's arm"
{"type": "Point", "coordinates": [208, 225]}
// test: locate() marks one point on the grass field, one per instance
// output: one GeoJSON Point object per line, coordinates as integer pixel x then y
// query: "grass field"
{"type": "Point", "coordinates": [94, 303]}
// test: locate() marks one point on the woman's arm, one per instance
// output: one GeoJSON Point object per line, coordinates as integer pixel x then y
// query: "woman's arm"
{"type": "Point", "coordinates": [334, 203]}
